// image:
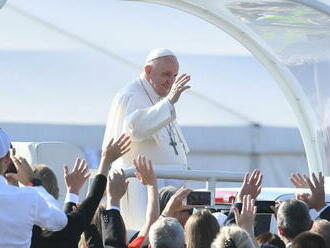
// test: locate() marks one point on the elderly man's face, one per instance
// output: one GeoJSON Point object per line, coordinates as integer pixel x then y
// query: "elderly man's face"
{"type": "Point", "coordinates": [162, 74]}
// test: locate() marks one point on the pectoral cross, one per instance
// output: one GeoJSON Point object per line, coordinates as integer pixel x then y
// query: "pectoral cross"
{"type": "Point", "coordinates": [174, 144]}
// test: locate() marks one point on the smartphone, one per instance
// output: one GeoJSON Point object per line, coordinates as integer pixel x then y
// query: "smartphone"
{"type": "Point", "coordinates": [263, 207]}
{"type": "Point", "coordinates": [199, 198]}
{"type": "Point", "coordinates": [11, 167]}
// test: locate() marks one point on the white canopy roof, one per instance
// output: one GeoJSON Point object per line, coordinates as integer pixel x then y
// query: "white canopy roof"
{"type": "Point", "coordinates": [65, 59]}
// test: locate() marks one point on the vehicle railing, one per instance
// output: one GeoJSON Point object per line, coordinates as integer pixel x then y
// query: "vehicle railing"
{"type": "Point", "coordinates": [211, 177]}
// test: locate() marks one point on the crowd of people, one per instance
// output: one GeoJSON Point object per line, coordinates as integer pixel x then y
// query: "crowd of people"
{"type": "Point", "coordinates": [31, 215]}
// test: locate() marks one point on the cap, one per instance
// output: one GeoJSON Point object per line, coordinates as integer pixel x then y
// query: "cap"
{"type": "Point", "coordinates": [158, 53]}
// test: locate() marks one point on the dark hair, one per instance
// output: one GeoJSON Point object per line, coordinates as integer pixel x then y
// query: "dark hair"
{"type": "Point", "coordinates": [165, 195]}
{"type": "Point", "coordinates": [308, 240]}
{"type": "Point", "coordinates": [271, 239]}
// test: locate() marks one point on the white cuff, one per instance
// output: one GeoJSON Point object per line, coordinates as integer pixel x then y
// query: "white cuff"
{"type": "Point", "coordinates": [70, 197]}
{"type": "Point", "coordinates": [113, 207]}
{"type": "Point", "coordinates": [325, 207]}
{"type": "Point", "coordinates": [172, 110]}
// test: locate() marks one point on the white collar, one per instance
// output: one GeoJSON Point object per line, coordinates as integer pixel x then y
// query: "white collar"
{"type": "Point", "coordinates": [152, 93]}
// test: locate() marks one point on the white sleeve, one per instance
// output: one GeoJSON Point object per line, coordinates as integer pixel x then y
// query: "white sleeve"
{"type": "Point", "coordinates": [49, 216]}
{"type": "Point", "coordinates": [47, 197]}
{"type": "Point", "coordinates": [143, 123]}
{"type": "Point", "coordinates": [70, 197]}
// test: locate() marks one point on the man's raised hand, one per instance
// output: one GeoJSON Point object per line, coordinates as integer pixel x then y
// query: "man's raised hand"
{"type": "Point", "coordinates": [298, 180]}
{"type": "Point", "coordinates": [144, 171]}
{"type": "Point", "coordinates": [175, 204]}
{"type": "Point", "coordinates": [115, 150]}
{"type": "Point", "coordinates": [316, 199]}
{"type": "Point", "coordinates": [245, 219]}
{"type": "Point", "coordinates": [75, 179]}
{"type": "Point", "coordinates": [178, 87]}
{"type": "Point", "coordinates": [24, 171]}
{"type": "Point", "coordinates": [251, 185]}
{"type": "Point", "coordinates": [116, 187]}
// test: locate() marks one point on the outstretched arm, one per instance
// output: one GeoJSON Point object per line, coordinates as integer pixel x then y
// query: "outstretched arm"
{"type": "Point", "coordinates": [146, 175]}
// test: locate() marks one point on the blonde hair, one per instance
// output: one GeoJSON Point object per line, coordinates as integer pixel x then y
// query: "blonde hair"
{"type": "Point", "coordinates": [201, 229]}
{"type": "Point", "coordinates": [48, 179]}
{"type": "Point", "coordinates": [235, 234]}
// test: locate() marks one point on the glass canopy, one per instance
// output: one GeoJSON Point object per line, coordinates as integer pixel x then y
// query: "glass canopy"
{"type": "Point", "coordinates": [291, 39]}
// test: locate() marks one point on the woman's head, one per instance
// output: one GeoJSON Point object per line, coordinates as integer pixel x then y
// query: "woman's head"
{"type": "Point", "coordinates": [271, 239]}
{"type": "Point", "coordinates": [48, 179]}
{"type": "Point", "coordinates": [201, 229]}
{"type": "Point", "coordinates": [233, 237]}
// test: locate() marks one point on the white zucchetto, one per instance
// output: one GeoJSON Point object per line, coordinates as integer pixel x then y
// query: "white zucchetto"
{"type": "Point", "coordinates": [158, 53]}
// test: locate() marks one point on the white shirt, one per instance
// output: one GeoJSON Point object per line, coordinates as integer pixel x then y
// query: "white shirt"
{"type": "Point", "coordinates": [148, 122]}
{"type": "Point", "coordinates": [23, 207]}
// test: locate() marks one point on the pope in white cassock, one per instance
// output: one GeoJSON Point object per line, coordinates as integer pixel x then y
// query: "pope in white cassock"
{"type": "Point", "coordinates": [146, 110]}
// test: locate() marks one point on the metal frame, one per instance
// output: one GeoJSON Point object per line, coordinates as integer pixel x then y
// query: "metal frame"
{"type": "Point", "coordinates": [287, 82]}
{"type": "Point", "coordinates": [211, 177]}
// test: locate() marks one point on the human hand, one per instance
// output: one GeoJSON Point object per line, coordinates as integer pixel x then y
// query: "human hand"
{"type": "Point", "coordinates": [316, 199]}
{"type": "Point", "coordinates": [144, 171]}
{"type": "Point", "coordinates": [251, 185]}
{"type": "Point", "coordinates": [116, 187]}
{"type": "Point", "coordinates": [178, 87]}
{"type": "Point", "coordinates": [275, 208]}
{"type": "Point", "coordinates": [75, 179]}
{"type": "Point", "coordinates": [298, 180]}
{"type": "Point", "coordinates": [246, 218]}
{"type": "Point", "coordinates": [24, 171]}
{"type": "Point", "coordinates": [175, 203]}
{"type": "Point", "coordinates": [115, 150]}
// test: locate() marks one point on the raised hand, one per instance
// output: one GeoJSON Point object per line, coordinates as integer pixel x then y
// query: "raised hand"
{"type": "Point", "coordinates": [75, 179]}
{"type": "Point", "coordinates": [175, 203]}
{"type": "Point", "coordinates": [251, 185]}
{"type": "Point", "coordinates": [178, 87]}
{"type": "Point", "coordinates": [144, 172]}
{"type": "Point", "coordinates": [316, 199]}
{"type": "Point", "coordinates": [115, 150]}
{"type": "Point", "coordinates": [24, 170]}
{"type": "Point", "coordinates": [246, 218]}
{"type": "Point", "coordinates": [116, 187]}
{"type": "Point", "coordinates": [298, 180]}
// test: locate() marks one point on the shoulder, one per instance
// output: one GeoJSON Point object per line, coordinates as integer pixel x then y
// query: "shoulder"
{"type": "Point", "coordinates": [134, 88]}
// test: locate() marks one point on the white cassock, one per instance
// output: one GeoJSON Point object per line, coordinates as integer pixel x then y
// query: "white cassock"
{"type": "Point", "coordinates": [151, 122]}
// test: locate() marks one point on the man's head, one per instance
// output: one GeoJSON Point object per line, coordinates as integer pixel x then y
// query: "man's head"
{"type": "Point", "coordinates": [308, 240]}
{"type": "Point", "coordinates": [160, 70]}
{"type": "Point", "coordinates": [4, 151]}
{"type": "Point", "coordinates": [165, 195]}
{"type": "Point", "coordinates": [166, 233]}
{"type": "Point", "coordinates": [322, 227]}
{"type": "Point", "coordinates": [293, 218]}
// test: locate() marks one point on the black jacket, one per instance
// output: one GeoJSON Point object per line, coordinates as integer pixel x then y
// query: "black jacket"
{"type": "Point", "coordinates": [78, 221]}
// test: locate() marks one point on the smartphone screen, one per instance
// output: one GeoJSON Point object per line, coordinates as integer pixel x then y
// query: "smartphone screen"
{"type": "Point", "coordinates": [199, 198]}
{"type": "Point", "coordinates": [263, 207]}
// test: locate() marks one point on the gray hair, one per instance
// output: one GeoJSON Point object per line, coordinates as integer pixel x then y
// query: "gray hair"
{"type": "Point", "coordinates": [233, 234]}
{"type": "Point", "coordinates": [322, 227]}
{"type": "Point", "coordinates": [166, 232]}
{"type": "Point", "coordinates": [293, 217]}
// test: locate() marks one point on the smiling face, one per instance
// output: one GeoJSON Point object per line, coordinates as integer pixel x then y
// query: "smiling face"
{"type": "Point", "coordinates": [161, 74]}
